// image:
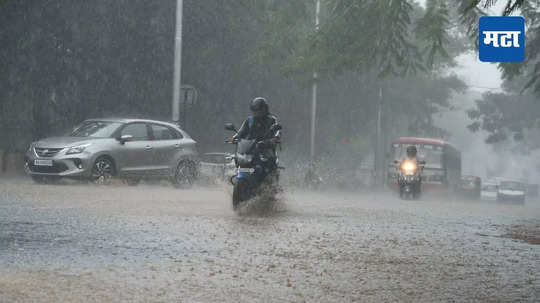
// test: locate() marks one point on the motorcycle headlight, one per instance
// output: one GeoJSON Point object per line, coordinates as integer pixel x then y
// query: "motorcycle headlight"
{"type": "Point", "coordinates": [77, 149]}
{"type": "Point", "coordinates": [408, 167]}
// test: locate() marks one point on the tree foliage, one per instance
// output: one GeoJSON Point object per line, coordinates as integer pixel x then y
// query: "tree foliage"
{"type": "Point", "coordinates": [432, 29]}
{"type": "Point", "coordinates": [471, 10]}
{"type": "Point", "coordinates": [508, 115]}
{"type": "Point", "coordinates": [365, 35]}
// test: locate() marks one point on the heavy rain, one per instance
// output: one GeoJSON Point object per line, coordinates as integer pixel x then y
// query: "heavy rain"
{"type": "Point", "coordinates": [270, 151]}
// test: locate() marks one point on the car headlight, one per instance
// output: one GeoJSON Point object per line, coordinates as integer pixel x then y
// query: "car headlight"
{"type": "Point", "coordinates": [77, 149]}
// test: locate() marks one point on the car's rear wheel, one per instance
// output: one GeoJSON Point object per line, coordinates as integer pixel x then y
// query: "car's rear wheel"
{"type": "Point", "coordinates": [102, 170]}
{"type": "Point", "coordinates": [185, 174]}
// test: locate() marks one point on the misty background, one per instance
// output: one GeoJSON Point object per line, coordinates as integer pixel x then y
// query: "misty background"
{"type": "Point", "coordinates": [65, 61]}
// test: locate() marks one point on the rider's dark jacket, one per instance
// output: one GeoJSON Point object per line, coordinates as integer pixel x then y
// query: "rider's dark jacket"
{"type": "Point", "coordinates": [255, 128]}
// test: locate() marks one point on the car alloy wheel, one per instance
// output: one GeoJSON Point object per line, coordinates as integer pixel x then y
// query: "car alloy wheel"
{"type": "Point", "coordinates": [185, 174]}
{"type": "Point", "coordinates": [102, 171]}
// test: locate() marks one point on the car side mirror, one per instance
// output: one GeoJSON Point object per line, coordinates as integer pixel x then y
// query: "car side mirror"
{"type": "Point", "coordinates": [125, 138]}
{"type": "Point", "coordinates": [422, 162]}
{"type": "Point", "coordinates": [396, 162]}
{"type": "Point", "coordinates": [230, 126]}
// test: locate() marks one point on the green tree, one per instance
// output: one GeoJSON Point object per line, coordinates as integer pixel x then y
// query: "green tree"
{"type": "Point", "coordinates": [507, 115]}
{"type": "Point", "coordinates": [471, 10]}
{"type": "Point", "coordinates": [390, 37]}
{"type": "Point", "coordinates": [510, 114]}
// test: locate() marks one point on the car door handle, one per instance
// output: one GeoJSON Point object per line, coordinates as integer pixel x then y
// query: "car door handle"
{"type": "Point", "coordinates": [148, 147]}
{"type": "Point", "coordinates": [177, 146]}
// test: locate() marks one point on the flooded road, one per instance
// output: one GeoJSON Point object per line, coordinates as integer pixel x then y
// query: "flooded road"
{"type": "Point", "coordinates": [85, 243]}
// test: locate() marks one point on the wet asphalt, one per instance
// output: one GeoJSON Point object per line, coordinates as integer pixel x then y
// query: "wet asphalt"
{"type": "Point", "coordinates": [115, 243]}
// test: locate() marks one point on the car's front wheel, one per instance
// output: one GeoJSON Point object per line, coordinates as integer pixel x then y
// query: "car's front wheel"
{"type": "Point", "coordinates": [102, 170]}
{"type": "Point", "coordinates": [185, 174]}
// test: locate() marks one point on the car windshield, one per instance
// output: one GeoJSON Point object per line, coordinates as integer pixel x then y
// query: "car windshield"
{"type": "Point", "coordinates": [97, 129]}
{"type": "Point", "coordinates": [511, 185]}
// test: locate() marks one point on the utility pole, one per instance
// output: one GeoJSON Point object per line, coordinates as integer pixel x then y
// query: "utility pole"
{"type": "Point", "coordinates": [314, 91]}
{"type": "Point", "coordinates": [177, 80]}
{"type": "Point", "coordinates": [378, 159]}
{"type": "Point", "coordinates": [190, 96]}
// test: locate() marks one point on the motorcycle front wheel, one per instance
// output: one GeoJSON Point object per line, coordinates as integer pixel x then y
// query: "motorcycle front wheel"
{"type": "Point", "coordinates": [240, 192]}
{"type": "Point", "coordinates": [405, 194]}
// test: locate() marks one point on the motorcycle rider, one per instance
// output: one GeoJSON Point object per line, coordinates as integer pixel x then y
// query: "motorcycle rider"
{"type": "Point", "coordinates": [411, 153]}
{"type": "Point", "coordinates": [412, 156]}
{"type": "Point", "coordinates": [257, 126]}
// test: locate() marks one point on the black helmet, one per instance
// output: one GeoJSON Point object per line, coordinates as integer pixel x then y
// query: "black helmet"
{"type": "Point", "coordinates": [259, 107]}
{"type": "Point", "coordinates": [411, 151]}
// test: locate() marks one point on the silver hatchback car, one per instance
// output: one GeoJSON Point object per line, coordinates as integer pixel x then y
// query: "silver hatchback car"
{"type": "Point", "coordinates": [131, 149]}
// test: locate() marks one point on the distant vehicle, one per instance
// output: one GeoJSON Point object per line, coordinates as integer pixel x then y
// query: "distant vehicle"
{"type": "Point", "coordinates": [532, 190]}
{"type": "Point", "coordinates": [489, 191]}
{"type": "Point", "coordinates": [409, 178]}
{"type": "Point", "coordinates": [442, 170]}
{"type": "Point", "coordinates": [471, 187]}
{"type": "Point", "coordinates": [217, 166]}
{"type": "Point", "coordinates": [509, 190]}
{"type": "Point", "coordinates": [132, 149]}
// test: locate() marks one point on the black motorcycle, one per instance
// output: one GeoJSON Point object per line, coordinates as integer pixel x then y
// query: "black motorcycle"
{"type": "Point", "coordinates": [409, 178]}
{"type": "Point", "coordinates": [253, 167]}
